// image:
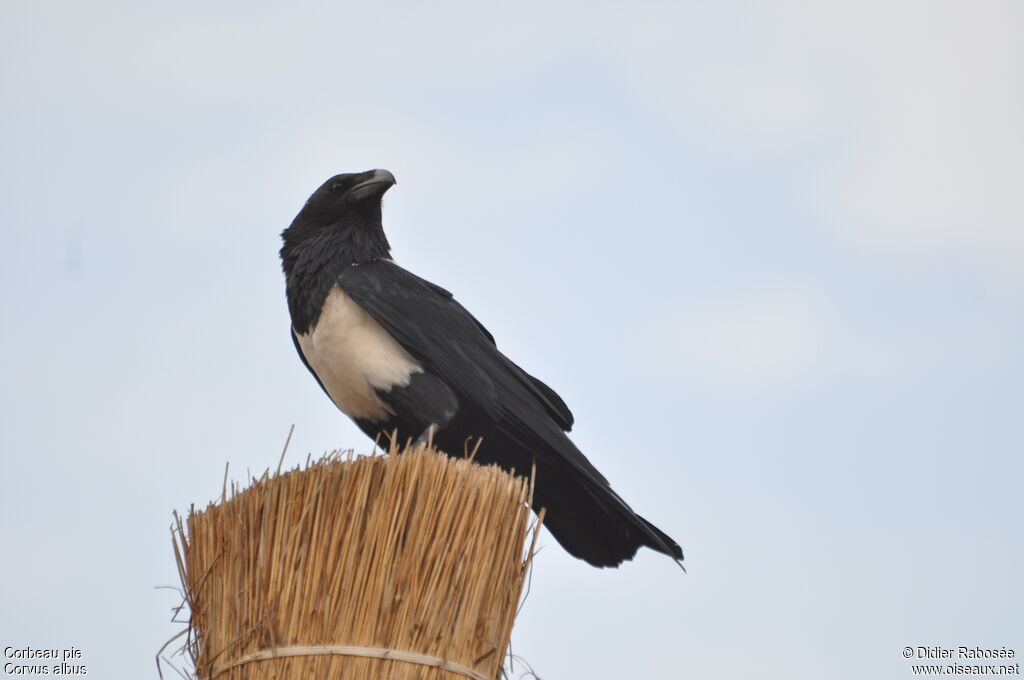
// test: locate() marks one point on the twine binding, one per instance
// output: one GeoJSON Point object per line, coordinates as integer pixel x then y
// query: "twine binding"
{"type": "Point", "coordinates": [344, 650]}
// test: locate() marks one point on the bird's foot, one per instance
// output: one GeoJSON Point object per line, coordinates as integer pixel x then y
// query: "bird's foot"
{"type": "Point", "coordinates": [427, 438]}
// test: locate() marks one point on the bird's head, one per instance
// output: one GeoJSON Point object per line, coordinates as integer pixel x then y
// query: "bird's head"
{"type": "Point", "coordinates": [343, 214]}
{"type": "Point", "coordinates": [347, 194]}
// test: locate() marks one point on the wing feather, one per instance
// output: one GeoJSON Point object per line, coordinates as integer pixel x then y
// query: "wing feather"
{"type": "Point", "coordinates": [428, 322]}
{"type": "Point", "coordinates": [450, 343]}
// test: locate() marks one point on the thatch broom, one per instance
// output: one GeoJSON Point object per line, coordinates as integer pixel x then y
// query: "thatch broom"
{"type": "Point", "coordinates": [401, 567]}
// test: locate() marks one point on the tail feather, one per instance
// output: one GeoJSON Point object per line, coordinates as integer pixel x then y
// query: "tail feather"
{"type": "Point", "coordinates": [662, 542]}
{"type": "Point", "coordinates": [604, 533]}
{"type": "Point", "coordinates": [584, 515]}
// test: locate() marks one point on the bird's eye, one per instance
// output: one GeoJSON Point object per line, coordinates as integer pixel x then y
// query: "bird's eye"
{"type": "Point", "coordinates": [337, 188]}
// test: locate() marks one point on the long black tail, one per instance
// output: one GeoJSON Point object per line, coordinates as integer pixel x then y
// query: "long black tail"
{"type": "Point", "coordinates": [587, 518]}
{"type": "Point", "coordinates": [597, 527]}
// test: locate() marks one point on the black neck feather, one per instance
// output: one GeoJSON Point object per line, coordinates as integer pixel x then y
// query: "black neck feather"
{"type": "Point", "coordinates": [313, 257]}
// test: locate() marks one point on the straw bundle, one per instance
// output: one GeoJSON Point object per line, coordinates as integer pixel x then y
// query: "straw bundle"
{"type": "Point", "coordinates": [401, 567]}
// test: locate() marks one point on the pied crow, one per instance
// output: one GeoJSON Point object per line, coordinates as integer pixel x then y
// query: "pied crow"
{"type": "Point", "coordinates": [397, 353]}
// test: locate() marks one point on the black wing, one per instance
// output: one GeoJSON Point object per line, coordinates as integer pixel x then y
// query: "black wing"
{"type": "Point", "coordinates": [427, 321]}
{"type": "Point", "coordinates": [591, 520]}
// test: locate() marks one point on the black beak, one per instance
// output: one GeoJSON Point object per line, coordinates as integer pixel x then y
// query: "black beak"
{"type": "Point", "coordinates": [376, 182]}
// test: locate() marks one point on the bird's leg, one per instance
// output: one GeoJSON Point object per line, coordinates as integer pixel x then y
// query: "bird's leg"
{"type": "Point", "coordinates": [427, 438]}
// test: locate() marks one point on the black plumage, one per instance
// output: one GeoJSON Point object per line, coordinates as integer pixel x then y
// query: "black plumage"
{"type": "Point", "coordinates": [399, 354]}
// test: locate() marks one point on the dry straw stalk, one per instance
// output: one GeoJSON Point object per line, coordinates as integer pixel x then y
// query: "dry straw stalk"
{"type": "Point", "coordinates": [319, 572]}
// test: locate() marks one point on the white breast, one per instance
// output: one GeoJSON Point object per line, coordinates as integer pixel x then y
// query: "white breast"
{"type": "Point", "coordinates": [353, 355]}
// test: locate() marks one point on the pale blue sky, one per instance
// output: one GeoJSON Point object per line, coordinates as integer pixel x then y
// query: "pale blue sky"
{"type": "Point", "coordinates": [772, 256]}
